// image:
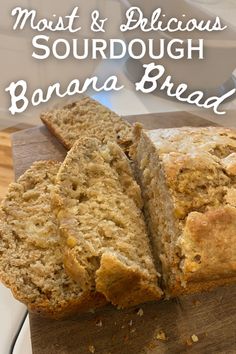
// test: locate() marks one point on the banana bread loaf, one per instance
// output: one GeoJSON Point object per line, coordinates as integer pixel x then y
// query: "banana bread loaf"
{"type": "Point", "coordinates": [188, 181]}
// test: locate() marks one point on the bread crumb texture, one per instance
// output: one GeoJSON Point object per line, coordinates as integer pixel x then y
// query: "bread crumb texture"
{"type": "Point", "coordinates": [98, 205]}
{"type": "Point", "coordinates": [89, 118]}
{"type": "Point", "coordinates": [31, 262]}
{"type": "Point", "coordinates": [188, 178]}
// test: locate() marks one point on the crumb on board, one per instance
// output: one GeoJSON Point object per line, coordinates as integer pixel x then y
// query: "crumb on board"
{"type": "Point", "coordinates": [91, 349]}
{"type": "Point", "coordinates": [99, 323]}
{"type": "Point", "coordinates": [140, 312]}
{"type": "Point", "coordinates": [131, 323]}
{"type": "Point", "coordinates": [161, 335]}
{"type": "Point", "coordinates": [133, 330]}
{"type": "Point", "coordinates": [194, 338]}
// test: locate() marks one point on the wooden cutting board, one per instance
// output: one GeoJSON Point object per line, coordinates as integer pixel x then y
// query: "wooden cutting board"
{"type": "Point", "coordinates": [209, 316]}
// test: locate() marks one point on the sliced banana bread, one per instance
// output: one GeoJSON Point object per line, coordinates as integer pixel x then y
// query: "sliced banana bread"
{"type": "Point", "coordinates": [31, 262]}
{"type": "Point", "coordinates": [87, 118]}
{"type": "Point", "coordinates": [98, 205]}
{"type": "Point", "coordinates": [188, 180]}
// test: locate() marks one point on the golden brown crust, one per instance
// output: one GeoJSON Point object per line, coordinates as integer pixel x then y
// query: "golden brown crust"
{"type": "Point", "coordinates": [124, 285]}
{"type": "Point", "coordinates": [53, 129]}
{"type": "Point", "coordinates": [208, 244]}
{"type": "Point", "coordinates": [89, 301]}
{"type": "Point", "coordinates": [176, 288]}
{"type": "Point", "coordinates": [190, 175]}
{"type": "Point", "coordinates": [85, 302]}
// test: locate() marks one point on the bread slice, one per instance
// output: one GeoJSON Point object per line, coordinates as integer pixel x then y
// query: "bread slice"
{"type": "Point", "coordinates": [87, 118]}
{"type": "Point", "coordinates": [188, 179]}
{"type": "Point", "coordinates": [106, 244]}
{"type": "Point", "coordinates": [31, 262]}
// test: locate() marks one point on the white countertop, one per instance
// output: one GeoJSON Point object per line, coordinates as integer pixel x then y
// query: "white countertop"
{"type": "Point", "coordinates": [23, 342]}
{"type": "Point", "coordinates": [11, 314]}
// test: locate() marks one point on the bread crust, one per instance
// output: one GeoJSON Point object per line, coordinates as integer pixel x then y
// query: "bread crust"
{"type": "Point", "coordinates": [85, 302]}
{"type": "Point", "coordinates": [54, 130]}
{"type": "Point", "coordinates": [207, 242]}
{"type": "Point", "coordinates": [123, 285]}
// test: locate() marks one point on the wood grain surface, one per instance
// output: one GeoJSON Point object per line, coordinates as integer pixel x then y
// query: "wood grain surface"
{"type": "Point", "coordinates": [211, 317]}
{"type": "Point", "coordinates": [6, 163]}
